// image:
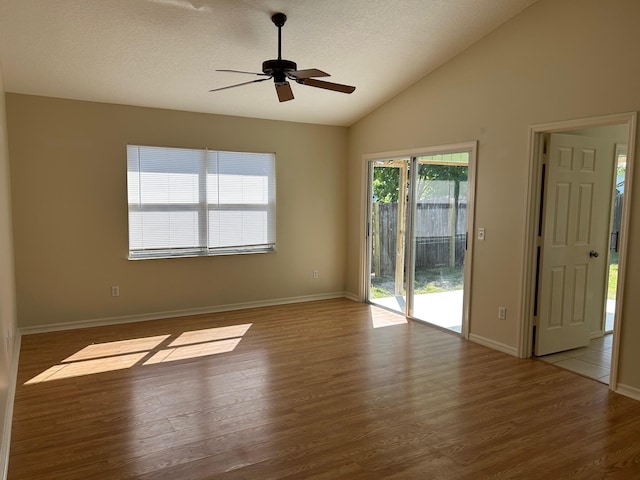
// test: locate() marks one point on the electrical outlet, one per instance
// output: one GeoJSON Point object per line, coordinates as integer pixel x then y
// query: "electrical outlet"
{"type": "Point", "coordinates": [315, 274]}
{"type": "Point", "coordinates": [115, 291]}
{"type": "Point", "coordinates": [502, 313]}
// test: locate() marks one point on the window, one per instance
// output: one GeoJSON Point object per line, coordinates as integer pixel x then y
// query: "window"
{"type": "Point", "coordinates": [185, 202]}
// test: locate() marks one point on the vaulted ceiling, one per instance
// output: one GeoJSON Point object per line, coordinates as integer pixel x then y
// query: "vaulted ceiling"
{"type": "Point", "coordinates": [164, 53]}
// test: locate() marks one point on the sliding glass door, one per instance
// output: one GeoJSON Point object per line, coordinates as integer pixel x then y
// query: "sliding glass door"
{"type": "Point", "coordinates": [420, 211]}
{"type": "Point", "coordinates": [439, 226]}
{"type": "Point", "coordinates": [388, 218]}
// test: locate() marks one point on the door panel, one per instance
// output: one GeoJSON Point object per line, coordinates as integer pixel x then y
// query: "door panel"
{"type": "Point", "coordinates": [387, 219]}
{"type": "Point", "coordinates": [576, 223]}
{"type": "Point", "coordinates": [439, 220]}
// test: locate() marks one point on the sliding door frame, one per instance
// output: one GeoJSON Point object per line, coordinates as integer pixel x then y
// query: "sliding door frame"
{"type": "Point", "coordinates": [411, 155]}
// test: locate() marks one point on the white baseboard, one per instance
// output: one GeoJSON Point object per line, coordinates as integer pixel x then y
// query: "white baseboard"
{"type": "Point", "coordinates": [628, 391]}
{"type": "Point", "coordinates": [96, 322]}
{"type": "Point", "coordinates": [8, 413]}
{"type": "Point", "coordinates": [487, 342]}
{"type": "Point", "coordinates": [597, 334]}
{"type": "Point", "coordinates": [351, 296]}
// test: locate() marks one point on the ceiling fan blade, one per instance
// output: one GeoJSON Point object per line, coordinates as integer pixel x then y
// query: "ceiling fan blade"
{"type": "Point", "coordinates": [240, 84]}
{"type": "Point", "coordinates": [241, 71]}
{"type": "Point", "coordinates": [308, 73]}
{"type": "Point", "coordinates": [284, 91]}
{"type": "Point", "coordinates": [336, 87]}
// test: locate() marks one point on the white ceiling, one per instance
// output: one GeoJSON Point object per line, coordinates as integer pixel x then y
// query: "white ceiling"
{"type": "Point", "coordinates": [164, 53]}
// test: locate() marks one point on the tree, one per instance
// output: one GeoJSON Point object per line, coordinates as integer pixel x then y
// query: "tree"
{"type": "Point", "coordinates": [385, 180]}
{"type": "Point", "coordinates": [385, 184]}
{"type": "Point", "coordinates": [455, 173]}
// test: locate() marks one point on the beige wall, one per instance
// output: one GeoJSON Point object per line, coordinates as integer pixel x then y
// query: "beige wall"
{"type": "Point", "coordinates": [7, 283]}
{"type": "Point", "coordinates": [68, 173]}
{"type": "Point", "coordinates": [558, 60]}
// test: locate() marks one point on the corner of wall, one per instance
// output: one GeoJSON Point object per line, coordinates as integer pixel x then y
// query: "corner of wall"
{"type": "Point", "coordinates": [9, 336]}
{"type": "Point", "coordinates": [7, 420]}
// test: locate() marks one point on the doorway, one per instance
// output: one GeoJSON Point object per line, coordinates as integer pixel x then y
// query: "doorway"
{"type": "Point", "coordinates": [420, 208]}
{"type": "Point", "coordinates": [576, 243]}
{"type": "Point", "coordinates": [616, 223]}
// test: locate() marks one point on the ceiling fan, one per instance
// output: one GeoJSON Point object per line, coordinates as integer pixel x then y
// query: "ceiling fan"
{"type": "Point", "coordinates": [281, 70]}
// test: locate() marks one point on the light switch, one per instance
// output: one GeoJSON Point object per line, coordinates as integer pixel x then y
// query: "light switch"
{"type": "Point", "coordinates": [480, 233]}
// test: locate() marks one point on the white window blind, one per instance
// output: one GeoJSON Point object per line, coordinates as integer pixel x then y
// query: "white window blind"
{"type": "Point", "coordinates": [185, 202]}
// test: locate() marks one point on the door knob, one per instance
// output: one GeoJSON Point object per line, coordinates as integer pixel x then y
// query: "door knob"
{"type": "Point", "coordinates": [594, 254]}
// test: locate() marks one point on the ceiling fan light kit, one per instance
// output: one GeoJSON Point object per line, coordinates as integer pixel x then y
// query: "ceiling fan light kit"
{"type": "Point", "coordinates": [281, 70]}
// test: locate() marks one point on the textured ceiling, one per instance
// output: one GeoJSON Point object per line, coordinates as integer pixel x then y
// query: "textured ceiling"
{"type": "Point", "coordinates": [164, 53]}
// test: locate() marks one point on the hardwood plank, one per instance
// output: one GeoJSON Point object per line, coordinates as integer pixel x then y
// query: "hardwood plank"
{"type": "Point", "coordinates": [306, 391]}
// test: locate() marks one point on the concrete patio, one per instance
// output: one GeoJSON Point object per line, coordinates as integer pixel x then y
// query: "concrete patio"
{"type": "Point", "coordinates": [443, 309]}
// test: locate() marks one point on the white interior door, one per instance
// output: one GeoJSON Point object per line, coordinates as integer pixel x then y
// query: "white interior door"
{"type": "Point", "coordinates": [577, 208]}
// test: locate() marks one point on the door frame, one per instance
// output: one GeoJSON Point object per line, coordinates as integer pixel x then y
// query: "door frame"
{"type": "Point", "coordinates": [536, 146]}
{"type": "Point", "coordinates": [365, 211]}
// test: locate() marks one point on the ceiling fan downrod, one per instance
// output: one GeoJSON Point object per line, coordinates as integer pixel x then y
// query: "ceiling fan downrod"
{"type": "Point", "coordinates": [279, 20]}
{"type": "Point", "coordinates": [279, 68]}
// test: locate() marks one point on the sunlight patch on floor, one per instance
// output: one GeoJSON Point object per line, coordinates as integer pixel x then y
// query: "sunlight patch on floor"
{"type": "Point", "coordinates": [122, 347]}
{"type": "Point", "coordinates": [123, 354]}
{"type": "Point", "coordinates": [88, 367]}
{"type": "Point", "coordinates": [193, 351]}
{"type": "Point", "coordinates": [383, 318]}
{"type": "Point", "coordinates": [211, 335]}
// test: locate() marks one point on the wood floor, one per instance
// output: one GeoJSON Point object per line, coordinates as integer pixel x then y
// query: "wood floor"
{"type": "Point", "coordinates": [323, 390]}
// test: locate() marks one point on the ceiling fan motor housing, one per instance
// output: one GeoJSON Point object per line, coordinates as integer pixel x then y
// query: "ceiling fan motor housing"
{"type": "Point", "coordinates": [278, 69]}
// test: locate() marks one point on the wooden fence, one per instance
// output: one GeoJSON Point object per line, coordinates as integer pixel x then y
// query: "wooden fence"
{"type": "Point", "coordinates": [438, 243]}
{"type": "Point", "coordinates": [433, 235]}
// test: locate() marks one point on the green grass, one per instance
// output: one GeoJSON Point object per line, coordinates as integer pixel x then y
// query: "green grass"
{"type": "Point", "coordinates": [427, 281]}
{"type": "Point", "coordinates": [447, 279]}
{"type": "Point", "coordinates": [613, 281]}
{"type": "Point", "coordinates": [439, 280]}
{"type": "Point", "coordinates": [379, 292]}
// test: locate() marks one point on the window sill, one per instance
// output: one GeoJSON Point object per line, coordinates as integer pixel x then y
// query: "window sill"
{"type": "Point", "coordinates": [199, 254]}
